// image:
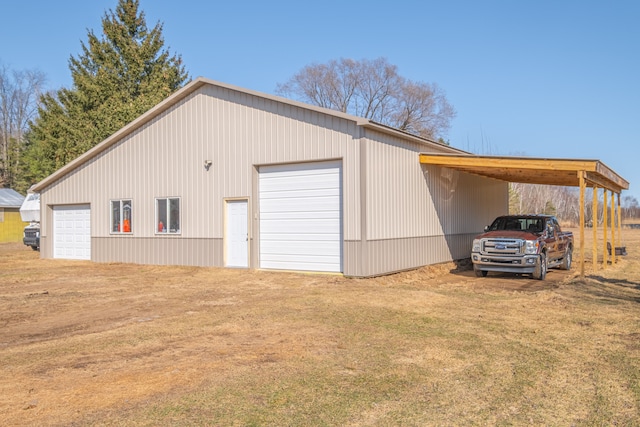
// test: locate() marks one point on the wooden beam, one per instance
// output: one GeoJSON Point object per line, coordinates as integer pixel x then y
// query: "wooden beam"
{"type": "Point", "coordinates": [530, 170]}
{"type": "Point", "coordinates": [529, 163]}
{"type": "Point", "coordinates": [605, 259]}
{"type": "Point", "coordinates": [613, 229]}
{"type": "Point", "coordinates": [582, 185]}
{"type": "Point", "coordinates": [620, 243]}
{"type": "Point", "coordinates": [594, 226]}
{"type": "Point", "coordinates": [603, 182]}
{"type": "Point", "coordinates": [607, 173]}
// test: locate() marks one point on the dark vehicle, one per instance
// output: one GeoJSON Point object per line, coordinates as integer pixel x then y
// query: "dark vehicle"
{"type": "Point", "coordinates": [30, 212]}
{"type": "Point", "coordinates": [31, 236]}
{"type": "Point", "coordinates": [522, 244]}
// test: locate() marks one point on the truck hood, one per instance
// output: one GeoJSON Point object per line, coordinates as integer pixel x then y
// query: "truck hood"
{"type": "Point", "coordinates": [508, 234]}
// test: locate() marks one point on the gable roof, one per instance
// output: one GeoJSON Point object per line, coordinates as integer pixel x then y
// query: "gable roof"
{"type": "Point", "coordinates": [10, 198]}
{"type": "Point", "coordinates": [200, 82]}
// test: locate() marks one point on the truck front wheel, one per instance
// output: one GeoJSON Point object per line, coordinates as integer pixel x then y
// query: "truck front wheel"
{"type": "Point", "coordinates": [541, 268]}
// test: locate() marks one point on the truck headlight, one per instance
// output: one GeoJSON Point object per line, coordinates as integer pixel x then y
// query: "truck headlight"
{"type": "Point", "coordinates": [531, 247]}
{"type": "Point", "coordinates": [477, 245]}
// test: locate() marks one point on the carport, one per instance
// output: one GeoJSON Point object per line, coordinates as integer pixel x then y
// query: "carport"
{"type": "Point", "coordinates": [562, 172]}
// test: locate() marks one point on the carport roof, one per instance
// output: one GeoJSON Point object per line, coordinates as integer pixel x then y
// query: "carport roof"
{"type": "Point", "coordinates": [531, 170]}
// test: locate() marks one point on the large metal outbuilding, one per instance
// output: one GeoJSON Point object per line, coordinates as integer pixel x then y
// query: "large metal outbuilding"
{"type": "Point", "coordinates": [217, 175]}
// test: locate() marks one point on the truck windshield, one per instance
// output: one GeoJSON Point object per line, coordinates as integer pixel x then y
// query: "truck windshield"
{"type": "Point", "coordinates": [532, 225]}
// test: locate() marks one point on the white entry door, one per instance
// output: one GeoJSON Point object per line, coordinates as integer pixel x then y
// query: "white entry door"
{"type": "Point", "coordinates": [236, 234]}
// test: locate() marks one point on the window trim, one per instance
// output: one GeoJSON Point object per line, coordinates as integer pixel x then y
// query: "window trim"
{"type": "Point", "coordinates": [121, 201]}
{"type": "Point", "coordinates": [168, 213]}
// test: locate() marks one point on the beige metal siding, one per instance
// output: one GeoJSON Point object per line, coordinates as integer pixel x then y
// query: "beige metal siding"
{"type": "Point", "coordinates": [406, 199]}
{"type": "Point", "coordinates": [165, 158]}
{"type": "Point", "coordinates": [418, 215]}
{"type": "Point", "coordinates": [159, 251]}
{"type": "Point", "coordinates": [391, 255]}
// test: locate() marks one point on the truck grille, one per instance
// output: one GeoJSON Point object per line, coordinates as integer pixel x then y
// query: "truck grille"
{"type": "Point", "coordinates": [503, 246]}
{"type": "Point", "coordinates": [31, 233]}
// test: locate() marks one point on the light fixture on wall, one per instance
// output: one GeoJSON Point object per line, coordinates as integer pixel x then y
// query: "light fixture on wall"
{"type": "Point", "coordinates": [207, 164]}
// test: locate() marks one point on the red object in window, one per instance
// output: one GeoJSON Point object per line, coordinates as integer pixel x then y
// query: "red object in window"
{"type": "Point", "coordinates": [126, 227]}
{"type": "Point", "coordinates": [160, 227]}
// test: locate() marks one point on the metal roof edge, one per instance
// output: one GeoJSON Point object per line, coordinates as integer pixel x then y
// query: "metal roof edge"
{"type": "Point", "coordinates": [284, 100]}
{"type": "Point", "coordinates": [115, 137]}
{"type": "Point", "coordinates": [416, 138]}
{"type": "Point", "coordinates": [198, 83]}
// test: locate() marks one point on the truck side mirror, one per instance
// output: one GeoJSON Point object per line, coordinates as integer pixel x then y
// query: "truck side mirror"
{"type": "Point", "coordinates": [486, 228]}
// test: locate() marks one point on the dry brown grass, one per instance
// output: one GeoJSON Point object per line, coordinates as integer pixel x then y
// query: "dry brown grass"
{"type": "Point", "coordinates": [119, 344]}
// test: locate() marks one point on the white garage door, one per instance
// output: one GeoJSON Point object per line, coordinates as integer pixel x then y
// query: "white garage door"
{"type": "Point", "coordinates": [72, 232]}
{"type": "Point", "coordinates": [301, 217]}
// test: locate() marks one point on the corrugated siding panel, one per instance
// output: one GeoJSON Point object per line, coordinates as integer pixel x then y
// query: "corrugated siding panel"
{"type": "Point", "coordinates": [160, 251]}
{"type": "Point", "coordinates": [406, 199]}
{"type": "Point", "coordinates": [165, 158]}
{"type": "Point", "coordinates": [391, 255]}
{"type": "Point", "coordinates": [416, 214]}
{"type": "Point", "coordinates": [395, 189]}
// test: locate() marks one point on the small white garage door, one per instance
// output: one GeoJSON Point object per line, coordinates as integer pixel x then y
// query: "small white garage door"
{"type": "Point", "coordinates": [72, 232]}
{"type": "Point", "coordinates": [301, 217]}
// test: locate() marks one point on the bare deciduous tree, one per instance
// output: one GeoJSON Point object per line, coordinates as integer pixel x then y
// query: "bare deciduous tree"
{"type": "Point", "coordinates": [546, 199]}
{"type": "Point", "coordinates": [564, 203]}
{"type": "Point", "coordinates": [374, 90]}
{"type": "Point", "coordinates": [19, 95]}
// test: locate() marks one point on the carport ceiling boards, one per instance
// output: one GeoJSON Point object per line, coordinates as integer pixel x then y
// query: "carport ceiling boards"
{"type": "Point", "coordinates": [530, 170]}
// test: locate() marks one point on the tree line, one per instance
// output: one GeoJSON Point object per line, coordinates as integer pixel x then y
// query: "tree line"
{"type": "Point", "coordinates": [19, 94]}
{"type": "Point", "coordinates": [564, 203]}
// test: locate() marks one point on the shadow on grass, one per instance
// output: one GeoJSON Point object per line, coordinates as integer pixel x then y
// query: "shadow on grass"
{"type": "Point", "coordinates": [621, 282]}
{"type": "Point", "coordinates": [461, 265]}
{"type": "Point", "coordinates": [610, 289]}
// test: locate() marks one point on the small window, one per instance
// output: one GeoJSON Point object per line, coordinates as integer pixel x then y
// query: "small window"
{"type": "Point", "coordinates": [121, 216]}
{"type": "Point", "coordinates": [168, 215]}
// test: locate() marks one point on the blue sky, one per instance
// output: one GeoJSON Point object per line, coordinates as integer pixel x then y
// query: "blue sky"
{"type": "Point", "coordinates": [557, 79]}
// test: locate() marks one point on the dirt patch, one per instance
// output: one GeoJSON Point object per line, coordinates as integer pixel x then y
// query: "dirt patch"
{"type": "Point", "coordinates": [85, 343]}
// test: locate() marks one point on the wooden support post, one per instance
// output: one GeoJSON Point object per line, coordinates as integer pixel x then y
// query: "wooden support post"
{"type": "Point", "coordinates": [581, 175]}
{"type": "Point", "coordinates": [613, 228]}
{"type": "Point", "coordinates": [619, 223]}
{"type": "Point", "coordinates": [605, 260]}
{"type": "Point", "coordinates": [594, 226]}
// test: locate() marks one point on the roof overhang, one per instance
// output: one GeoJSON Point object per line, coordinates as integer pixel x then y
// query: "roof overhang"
{"type": "Point", "coordinates": [530, 170]}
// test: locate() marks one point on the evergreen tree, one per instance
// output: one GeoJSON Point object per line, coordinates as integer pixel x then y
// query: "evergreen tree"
{"type": "Point", "coordinates": [116, 78]}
